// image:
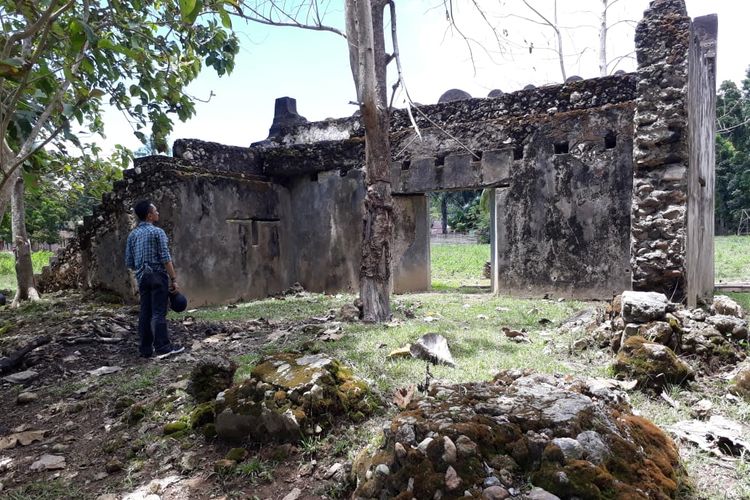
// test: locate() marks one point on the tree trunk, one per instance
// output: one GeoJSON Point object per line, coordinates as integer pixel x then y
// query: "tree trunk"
{"type": "Point", "coordinates": [24, 269]}
{"type": "Point", "coordinates": [603, 40]}
{"type": "Point", "coordinates": [366, 37]}
{"type": "Point", "coordinates": [444, 211]}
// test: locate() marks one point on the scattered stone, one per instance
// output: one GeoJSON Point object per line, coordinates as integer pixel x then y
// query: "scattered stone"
{"type": "Point", "coordinates": [449, 451]}
{"type": "Point", "coordinates": [26, 398]}
{"type": "Point", "coordinates": [21, 377]}
{"type": "Point", "coordinates": [49, 462]}
{"type": "Point", "coordinates": [59, 448]}
{"type": "Point", "coordinates": [729, 325]}
{"type": "Point", "coordinates": [466, 447]}
{"type": "Point", "coordinates": [114, 466]}
{"type": "Point", "coordinates": [495, 493]}
{"type": "Point", "coordinates": [726, 306]}
{"type": "Point", "coordinates": [211, 375]}
{"type": "Point", "coordinates": [107, 496]}
{"type": "Point", "coordinates": [452, 481]}
{"type": "Point", "coordinates": [433, 347]}
{"type": "Point", "coordinates": [702, 409]}
{"type": "Point", "coordinates": [336, 472]}
{"type": "Point", "coordinates": [349, 313]}
{"type": "Point", "coordinates": [642, 307]}
{"type": "Point", "coordinates": [105, 370]}
{"type": "Point", "coordinates": [540, 494]}
{"type": "Point", "coordinates": [653, 365]}
{"type": "Point", "coordinates": [293, 495]}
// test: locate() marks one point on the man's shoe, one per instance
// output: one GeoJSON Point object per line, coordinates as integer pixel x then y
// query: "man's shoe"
{"type": "Point", "coordinates": [172, 349]}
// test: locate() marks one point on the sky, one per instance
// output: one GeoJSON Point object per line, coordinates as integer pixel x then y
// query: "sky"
{"type": "Point", "coordinates": [313, 67]}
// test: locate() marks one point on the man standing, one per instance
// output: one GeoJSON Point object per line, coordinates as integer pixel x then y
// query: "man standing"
{"type": "Point", "coordinates": [147, 253]}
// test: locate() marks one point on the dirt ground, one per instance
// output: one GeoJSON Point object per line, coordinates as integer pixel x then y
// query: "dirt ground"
{"type": "Point", "coordinates": [103, 409]}
{"type": "Point", "coordinates": [89, 419]}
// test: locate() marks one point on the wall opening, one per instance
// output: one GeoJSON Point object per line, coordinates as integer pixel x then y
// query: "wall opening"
{"type": "Point", "coordinates": [460, 241]}
{"type": "Point", "coordinates": [561, 148]}
{"type": "Point", "coordinates": [610, 140]}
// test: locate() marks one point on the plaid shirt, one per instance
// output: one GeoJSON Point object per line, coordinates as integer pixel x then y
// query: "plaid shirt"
{"type": "Point", "coordinates": [147, 244]}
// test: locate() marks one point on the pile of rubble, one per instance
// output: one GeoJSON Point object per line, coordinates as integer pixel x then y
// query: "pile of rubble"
{"type": "Point", "coordinates": [572, 438]}
{"type": "Point", "coordinates": [658, 342]}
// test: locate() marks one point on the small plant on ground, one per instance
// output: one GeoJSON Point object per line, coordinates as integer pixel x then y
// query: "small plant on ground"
{"type": "Point", "coordinates": [256, 471]}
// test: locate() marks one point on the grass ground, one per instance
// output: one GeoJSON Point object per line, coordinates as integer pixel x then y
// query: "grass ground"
{"type": "Point", "coordinates": [732, 261]}
{"type": "Point", "coordinates": [457, 266]}
{"type": "Point", "coordinates": [8, 269]}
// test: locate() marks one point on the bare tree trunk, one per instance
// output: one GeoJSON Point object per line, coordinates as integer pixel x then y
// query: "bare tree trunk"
{"type": "Point", "coordinates": [367, 55]}
{"type": "Point", "coordinates": [560, 54]}
{"type": "Point", "coordinates": [603, 40]}
{"type": "Point", "coordinates": [24, 269]}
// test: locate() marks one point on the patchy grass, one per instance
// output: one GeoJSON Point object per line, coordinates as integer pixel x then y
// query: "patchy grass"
{"type": "Point", "coordinates": [456, 266]}
{"type": "Point", "coordinates": [292, 308]}
{"type": "Point", "coordinates": [732, 261]}
{"type": "Point", "coordinates": [256, 471]}
{"type": "Point", "coordinates": [742, 299]}
{"type": "Point", "coordinates": [45, 490]}
{"type": "Point", "coordinates": [8, 267]}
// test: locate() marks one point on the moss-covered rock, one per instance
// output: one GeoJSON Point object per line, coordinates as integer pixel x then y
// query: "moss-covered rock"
{"type": "Point", "coordinates": [237, 454]}
{"type": "Point", "coordinates": [652, 365]}
{"type": "Point", "coordinates": [202, 414]}
{"type": "Point", "coordinates": [211, 376]}
{"type": "Point", "coordinates": [175, 427]}
{"type": "Point", "coordinates": [511, 431]}
{"type": "Point", "coordinates": [289, 395]}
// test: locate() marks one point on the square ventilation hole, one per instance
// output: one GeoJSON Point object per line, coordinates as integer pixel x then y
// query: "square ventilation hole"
{"type": "Point", "coordinates": [561, 148]}
{"type": "Point", "coordinates": [518, 153]}
{"type": "Point", "coordinates": [610, 140]}
{"type": "Point", "coordinates": [405, 164]}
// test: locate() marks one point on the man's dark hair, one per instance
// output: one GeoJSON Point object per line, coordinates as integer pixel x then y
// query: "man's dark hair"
{"type": "Point", "coordinates": [141, 209]}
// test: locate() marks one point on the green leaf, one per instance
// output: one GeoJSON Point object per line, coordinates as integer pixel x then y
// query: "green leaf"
{"type": "Point", "coordinates": [11, 68]}
{"type": "Point", "coordinates": [189, 10]}
{"type": "Point", "coordinates": [226, 21]}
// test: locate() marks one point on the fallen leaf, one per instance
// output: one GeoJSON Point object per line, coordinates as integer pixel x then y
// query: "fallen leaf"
{"type": "Point", "coordinates": [402, 396]}
{"type": "Point", "coordinates": [400, 353]}
{"type": "Point", "coordinates": [516, 336]}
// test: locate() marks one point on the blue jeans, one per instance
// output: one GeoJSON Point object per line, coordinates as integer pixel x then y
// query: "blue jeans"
{"type": "Point", "coordinates": [152, 320]}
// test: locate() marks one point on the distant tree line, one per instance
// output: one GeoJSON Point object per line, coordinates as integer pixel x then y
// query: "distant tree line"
{"type": "Point", "coordinates": [732, 154]}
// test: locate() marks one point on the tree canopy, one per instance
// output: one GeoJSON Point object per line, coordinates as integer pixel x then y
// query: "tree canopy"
{"type": "Point", "coordinates": [732, 154]}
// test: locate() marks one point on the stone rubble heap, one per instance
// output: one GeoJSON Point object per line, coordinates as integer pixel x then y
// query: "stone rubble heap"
{"type": "Point", "coordinates": [291, 395]}
{"type": "Point", "coordinates": [658, 342]}
{"type": "Point", "coordinates": [571, 438]}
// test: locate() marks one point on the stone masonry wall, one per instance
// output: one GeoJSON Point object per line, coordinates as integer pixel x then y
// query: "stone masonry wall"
{"type": "Point", "coordinates": [658, 222]}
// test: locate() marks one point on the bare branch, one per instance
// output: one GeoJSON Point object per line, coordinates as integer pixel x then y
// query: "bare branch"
{"type": "Point", "coordinates": [276, 14]}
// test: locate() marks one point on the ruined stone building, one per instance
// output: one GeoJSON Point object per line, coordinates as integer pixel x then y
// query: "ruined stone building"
{"type": "Point", "coordinates": [598, 185]}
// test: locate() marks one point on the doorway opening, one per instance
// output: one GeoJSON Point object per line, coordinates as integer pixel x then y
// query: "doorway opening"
{"type": "Point", "coordinates": [460, 241]}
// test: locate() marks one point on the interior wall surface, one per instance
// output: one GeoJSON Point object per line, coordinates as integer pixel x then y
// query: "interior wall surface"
{"type": "Point", "coordinates": [563, 223]}
{"type": "Point", "coordinates": [327, 210]}
{"type": "Point", "coordinates": [411, 244]}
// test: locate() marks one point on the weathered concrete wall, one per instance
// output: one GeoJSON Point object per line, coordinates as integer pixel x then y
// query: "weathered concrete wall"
{"type": "Point", "coordinates": [226, 234]}
{"type": "Point", "coordinates": [411, 244]}
{"type": "Point", "coordinates": [327, 230]}
{"type": "Point", "coordinates": [702, 122]}
{"type": "Point", "coordinates": [562, 224]}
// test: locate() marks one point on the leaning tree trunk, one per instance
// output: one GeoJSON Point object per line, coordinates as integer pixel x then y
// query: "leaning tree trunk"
{"type": "Point", "coordinates": [24, 269]}
{"type": "Point", "coordinates": [367, 55]}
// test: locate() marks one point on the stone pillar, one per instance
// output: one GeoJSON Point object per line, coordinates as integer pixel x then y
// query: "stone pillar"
{"type": "Point", "coordinates": [661, 150]}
